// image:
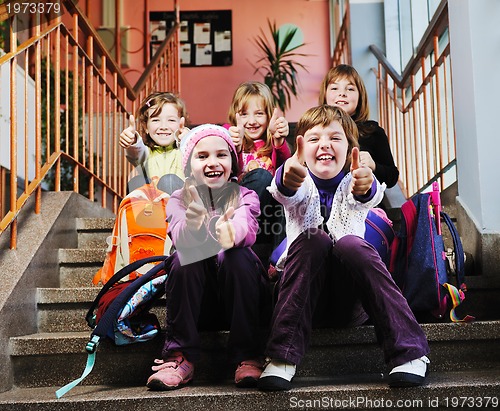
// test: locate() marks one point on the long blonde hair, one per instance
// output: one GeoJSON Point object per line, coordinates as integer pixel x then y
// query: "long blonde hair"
{"type": "Point", "coordinates": [241, 97]}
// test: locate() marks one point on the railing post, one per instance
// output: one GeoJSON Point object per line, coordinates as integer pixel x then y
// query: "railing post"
{"type": "Point", "coordinates": [13, 133]}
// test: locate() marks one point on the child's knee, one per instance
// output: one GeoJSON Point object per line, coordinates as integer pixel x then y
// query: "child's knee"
{"type": "Point", "coordinates": [355, 249]}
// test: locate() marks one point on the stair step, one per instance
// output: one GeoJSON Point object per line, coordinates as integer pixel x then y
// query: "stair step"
{"type": "Point", "coordinates": [92, 232]}
{"type": "Point", "coordinates": [53, 358]}
{"type": "Point", "coordinates": [81, 256]}
{"type": "Point", "coordinates": [77, 267]}
{"type": "Point", "coordinates": [443, 390]}
{"type": "Point", "coordinates": [76, 276]}
{"type": "Point", "coordinates": [64, 309]}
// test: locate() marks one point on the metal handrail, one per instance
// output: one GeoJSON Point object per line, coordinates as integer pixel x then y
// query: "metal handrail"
{"type": "Point", "coordinates": [68, 102]}
{"type": "Point", "coordinates": [342, 52]}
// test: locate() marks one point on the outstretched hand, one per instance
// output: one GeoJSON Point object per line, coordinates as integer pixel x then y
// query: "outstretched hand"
{"type": "Point", "coordinates": [196, 211]}
{"type": "Point", "coordinates": [278, 127]}
{"type": "Point", "coordinates": [362, 175]}
{"type": "Point", "coordinates": [224, 229]}
{"type": "Point", "coordinates": [294, 171]}
{"type": "Point", "coordinates": [128, 136]}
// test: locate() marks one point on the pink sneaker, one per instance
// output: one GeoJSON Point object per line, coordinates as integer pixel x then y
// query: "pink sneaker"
{"type": "Point", "coordinates": [248, 372]}
{"type": "Point", "coordinates": [171, 373]}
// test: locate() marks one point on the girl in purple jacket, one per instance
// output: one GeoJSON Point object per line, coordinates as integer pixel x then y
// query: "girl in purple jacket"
{"type": "Point", "coordinates": [215, 279]}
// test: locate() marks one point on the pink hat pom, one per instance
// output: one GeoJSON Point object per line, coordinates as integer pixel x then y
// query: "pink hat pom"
{"type": "Point", "coordinates": [199, 132]}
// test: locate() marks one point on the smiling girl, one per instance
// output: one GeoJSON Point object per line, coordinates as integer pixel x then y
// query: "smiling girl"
{"type": "Point", "coordinates": [258, 132]}
{"type": "Point", "coordinates": [331, 275]}
{"type": "Point", "coordinates": [215, 279]}
{"type": "Point", "coordinates": [151, 140]}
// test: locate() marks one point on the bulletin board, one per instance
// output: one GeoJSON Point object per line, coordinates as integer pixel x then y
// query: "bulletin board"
{"type": "Point", "coordinates": [205, 36]}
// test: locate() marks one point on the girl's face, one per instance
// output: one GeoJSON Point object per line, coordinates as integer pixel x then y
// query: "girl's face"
{"type": "Point", "coordinates": [325, 150]}
{"type": "Point", "coordinates": [254, 118]}
{"type": "Point", "coordinates": [211, 162]}
{"type": "Point", "coordinates": [162, 127]}
{"type": "Point", "coordinates": [344, 94]}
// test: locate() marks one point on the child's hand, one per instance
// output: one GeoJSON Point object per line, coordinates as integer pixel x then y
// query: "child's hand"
{"type": "Point", "coordinates": [196, 211]}
{"type": "Point", "coordinates": [294, 171]}
{"type": "Point", "coordinates": [237, 133]}
{"type": "Point", "coordinates": [362, 175]}
{"type": "Point", "coordinates": [366, 159]}
{"type": "Point", "coordinates": [181, 132]}
{"type": "Point", "coordinates": [278, 127]}
{"type": "Point", "coordinates": [224, 229]}
{"type": "Point", "coordinates": [128, 136]}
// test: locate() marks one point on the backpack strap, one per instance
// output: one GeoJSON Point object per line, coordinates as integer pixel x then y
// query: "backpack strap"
{"type": "Point", "coordinates": [459, 251]}
{"type": "Point", "coordinates": [88, 368]}
{"type": "Point", "coordinates": [456, 295]}
{"type": "Point", "coordinates": [145, 173]}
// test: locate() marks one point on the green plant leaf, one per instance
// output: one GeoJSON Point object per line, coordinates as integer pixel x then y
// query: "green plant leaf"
{"type": "Point", "coordinates": [278, 65]}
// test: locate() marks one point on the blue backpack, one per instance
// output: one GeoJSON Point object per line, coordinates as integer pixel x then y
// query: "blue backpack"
{"type": "Point", "coordinates": [418, 260]}
{"type": "Point", "coordinates": [120, 312]}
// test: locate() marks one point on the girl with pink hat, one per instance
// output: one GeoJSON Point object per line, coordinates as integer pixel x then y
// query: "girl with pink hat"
{"type": "Point", "coordinates": [215, 279]}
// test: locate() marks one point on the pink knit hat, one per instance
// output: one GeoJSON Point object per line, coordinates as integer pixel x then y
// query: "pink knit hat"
{"type": "Point", "coordinates": [196, 134]}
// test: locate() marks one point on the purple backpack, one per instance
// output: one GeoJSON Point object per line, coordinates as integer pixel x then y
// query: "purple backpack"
{"type": "Point", "coordinates": [379, 233]}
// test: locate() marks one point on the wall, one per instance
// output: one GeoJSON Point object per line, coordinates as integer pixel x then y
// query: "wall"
{"type": "Point", "coordinates": [474, 26]}
{"type": "Point", "coordinates": [208, 90]}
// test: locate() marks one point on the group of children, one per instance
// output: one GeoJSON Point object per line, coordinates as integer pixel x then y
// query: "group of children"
{"type": "Point", "coordinates": [223, 180]}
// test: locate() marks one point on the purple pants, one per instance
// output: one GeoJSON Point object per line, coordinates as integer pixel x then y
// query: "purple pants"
{"type": "Point", "coordinates": [335, 282]}
{"type": "Point", "coordinates": [223, 292]}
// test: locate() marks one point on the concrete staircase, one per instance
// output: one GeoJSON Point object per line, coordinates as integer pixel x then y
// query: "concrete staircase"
{"type": "Point", "coordinates": [342, 369]}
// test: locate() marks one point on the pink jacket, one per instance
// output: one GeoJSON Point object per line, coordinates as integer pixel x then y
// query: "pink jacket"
{"type": "Point", "coordinates": [197, 246]}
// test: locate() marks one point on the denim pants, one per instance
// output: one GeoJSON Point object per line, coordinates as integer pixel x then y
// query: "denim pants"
{"type": "Point", "coordinates": [340, 277]}
{"type": "Point", "coordinates": [222, 292]}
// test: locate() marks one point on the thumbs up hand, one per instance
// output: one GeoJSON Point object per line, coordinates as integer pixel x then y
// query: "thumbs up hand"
{"type": "Point", "coordinates": [181, 131]}
{"type": "Point", "coordinates": [224, 229]}
{"type": "Point", "coordinates": [294, 171]}
{"type": "Point", "coordinates": [129, 135]}
{"type": "Point", "coordinates": [362, 175]}
{"type": "Point", "coordinates": [278, 127]}
{"type": "Point", "coordinates": [237, 132]}
{"type": "Point", "coordinates": [196, 211]}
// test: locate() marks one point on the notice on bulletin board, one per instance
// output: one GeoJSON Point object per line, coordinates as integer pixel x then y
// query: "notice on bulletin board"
{"type": "Point", "coordinates": [203, 54]}
{"type": "Point", "coordinates": [201, 33]}
{"type": "Point", "coordinates": [205, 36]}
{"type": "Point", "coordinates": [186, 53]}
{"type": "Point", "coordinates": [222, 41]}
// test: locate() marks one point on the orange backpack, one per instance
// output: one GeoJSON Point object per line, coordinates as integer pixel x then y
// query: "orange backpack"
{"type": "Point", "coordinates": [140, 231]}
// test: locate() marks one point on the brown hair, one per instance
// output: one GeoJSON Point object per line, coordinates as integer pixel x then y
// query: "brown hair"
{"type": "Point", "coordinates": [241, 96]}
{"type": "Point", "coordinates": [323, 116]}
{"type": "Point", "coordinates": [345, 71]}
{"type": "Point", "coordinates": [157, 100]}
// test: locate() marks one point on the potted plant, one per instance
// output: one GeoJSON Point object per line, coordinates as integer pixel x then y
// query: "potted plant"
{"type": "Point", "coordinates": [277, 63]}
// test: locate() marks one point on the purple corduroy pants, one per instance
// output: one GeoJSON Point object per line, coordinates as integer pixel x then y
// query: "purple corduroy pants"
{"type": "Point", "coordinates": [338, 284]}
